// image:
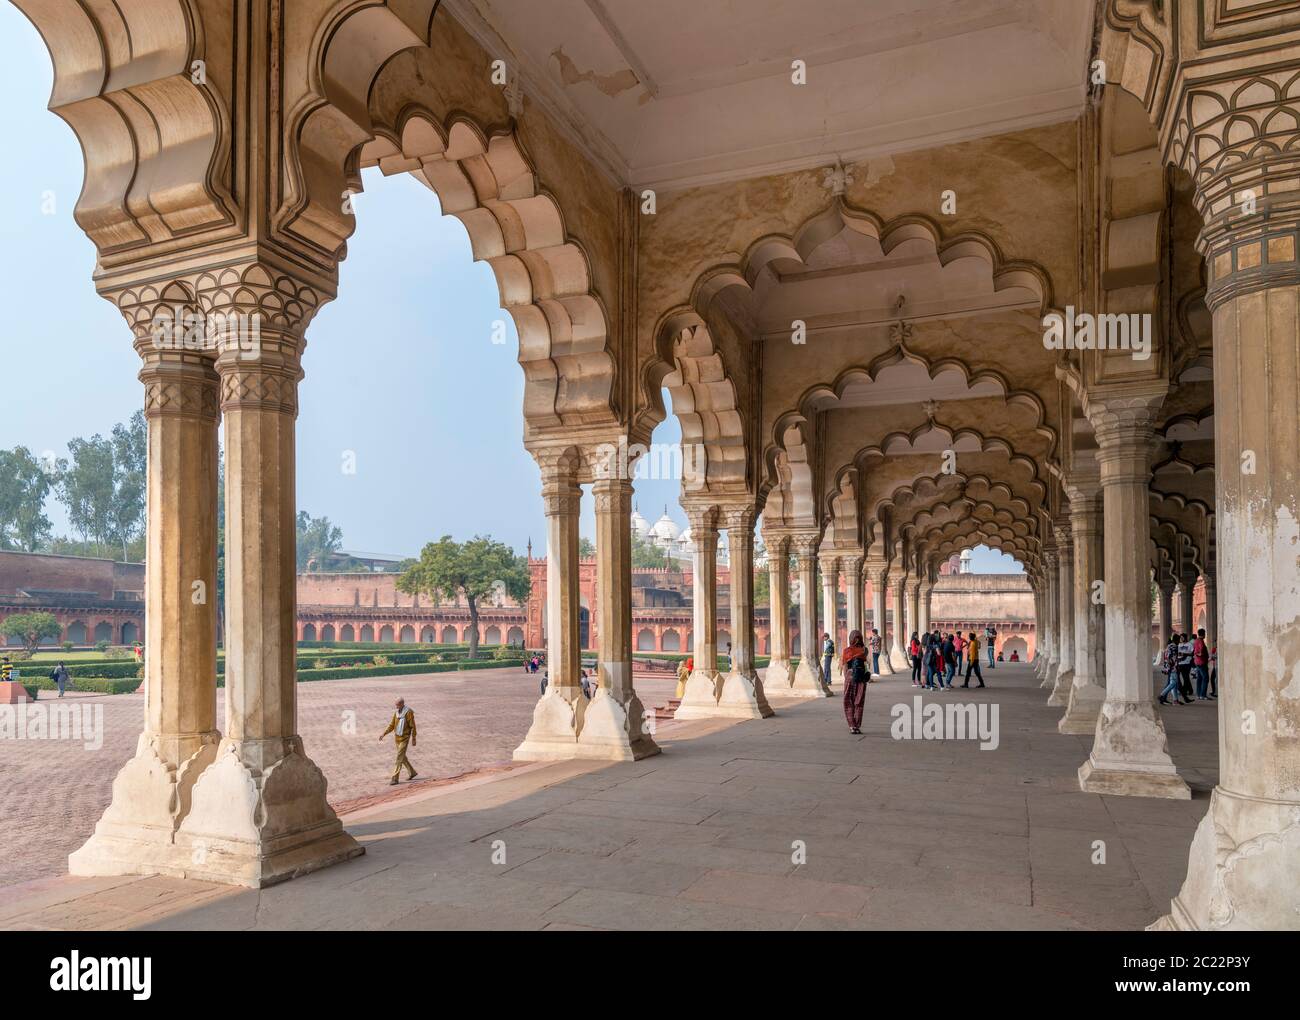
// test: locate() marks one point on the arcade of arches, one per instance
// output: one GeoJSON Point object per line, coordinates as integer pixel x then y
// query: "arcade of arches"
{"type": "Point", "coordinates": [856, 349]}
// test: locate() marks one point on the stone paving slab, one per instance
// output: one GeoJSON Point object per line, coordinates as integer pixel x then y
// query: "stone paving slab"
{"type": "Point", "coordinates": [774, 824]}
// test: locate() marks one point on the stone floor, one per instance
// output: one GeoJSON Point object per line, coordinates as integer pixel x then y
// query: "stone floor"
{"type": "Point", "coordinates": [53, 791]}
{"type": "Point", "coordinates": [895, 834]}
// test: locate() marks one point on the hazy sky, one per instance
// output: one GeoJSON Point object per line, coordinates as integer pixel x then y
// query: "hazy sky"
{"type": "Point", "coordinates": [401, 373]}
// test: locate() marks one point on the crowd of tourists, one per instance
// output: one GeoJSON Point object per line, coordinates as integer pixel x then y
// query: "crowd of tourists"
{"type": "Point", "coordinates": [1191, 669]}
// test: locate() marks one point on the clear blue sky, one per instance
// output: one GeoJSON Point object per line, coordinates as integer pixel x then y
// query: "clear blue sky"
{"type": "Point", "coordinates": [400, 369]}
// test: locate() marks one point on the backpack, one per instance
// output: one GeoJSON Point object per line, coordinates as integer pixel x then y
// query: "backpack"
{"type": "Point", "coordinates": [857, 670]}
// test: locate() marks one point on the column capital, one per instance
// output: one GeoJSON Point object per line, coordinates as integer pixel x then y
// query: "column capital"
{"type": "Point", "coordinates": [851, 564]}
{"type": "Point", "coordinates": [179, 385]}
{"type": "Point", "coordinates": [612, 496]}
{"type": "Point", "coordinates": [703, 519]}
{"type": "Point", "coordinates": [738, 518]}
{"type": "Point", "coordinates": [806, 544]}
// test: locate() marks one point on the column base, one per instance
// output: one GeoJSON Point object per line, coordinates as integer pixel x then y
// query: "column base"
{"type": "Point", "coordinates": [1060, 695]}
{"type": "Point", "coordinates": [614, 731]}
{"type": "Point", "coordinates": [886, 667]}
{"type": "Point", "coordinates": [1130, 756]}
{"type": "Point", "coordinates": [1242, 869]}
{"type": "Point", "coordinates": [1082, 709]}
{"type": "Point", "coordinates": [258, 826]}
{"type": "Point", "coordinates": [742, 697]}
{"type": "Point", "coordinates": [700, 700]}
{"type": "Point", "coordinates": [778, 676]}
{"type": "Point", "coordinates": [1049, 674]}
{"type": "Point", "coordinates": [557, 721]}
{"type": "Point", "coordinates": [899, 660]}
{"type": "Point", "coordinates": [137, 833]}
{"type": "Point", "coordinates": [808, 682]}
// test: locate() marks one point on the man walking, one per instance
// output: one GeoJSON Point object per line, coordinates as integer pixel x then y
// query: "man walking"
{"type": "Point", "coordinates": [990, 639]}
{"type": "Point", "coordinates": [1201, 666]}
{"type": "Point", "coordinates": [875, 651]}
{"type": "Point", "coordinates": [59, 674]}
{"type": "Point", "coordinates": [828, 655]}
{"type": "Point", "coordinates": [403, 725]}
{"type": "Point", "coordinates": [973, 660]}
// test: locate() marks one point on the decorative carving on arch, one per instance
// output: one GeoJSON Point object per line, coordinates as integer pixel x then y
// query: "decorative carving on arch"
{"type": "Point", "coordinates": [517, 228]}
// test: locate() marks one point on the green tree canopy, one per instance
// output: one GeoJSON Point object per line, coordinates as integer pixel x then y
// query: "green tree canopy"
{"type": "Point", "coordinates": [24, 484]}
{"type": "Point", "coordinates": [31, 629]}
{"type": "Point", "coordinates": [319, 542]}
{"type": "Point", "coordinates": [471, 570]}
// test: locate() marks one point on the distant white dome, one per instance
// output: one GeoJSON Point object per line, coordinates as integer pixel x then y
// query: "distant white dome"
{"type": "Point", "coordinates": [640, 526]}
{"type": "Point", "coordinates": [665, 530]}
{"type": "Point", "coordinates": [684, 540]}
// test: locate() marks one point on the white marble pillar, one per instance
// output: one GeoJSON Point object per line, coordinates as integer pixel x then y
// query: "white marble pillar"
{"type": "Point", "coordinates": [703, 685]}
{"type": "Point", "coordinates": [898, 657]}
{"type": "Point", "coordinates": [1089, 688]}
{"type": "Point", "coordinates": [259, 812]}
{"type": "Point", "coordinates": [557, 718]}
{"type": "Point", "coordinates": [779, 674]}
{"type": "Point", "coordinates": [1130, 754]}
{"type": "Point", "coordinates": [741, 695]}
{"type": "Point", "coordinates": [852, 567]}
{"type": "Point", "coordinates": [151, 793]}
{"type": "Point", "coordinates": [1186, 594]}
{"type": "Point", "coordinates": [830, 571]}
{"type": "Point", "coordinates": [1060, 695]}
{"type": "Point", "coordinates": [1051, 605]}
{"type": "Point", "coordinates": [1166, 590]}
{"type": "Point", "coordinates": [879, 576]}
{"type": "Point", "coordinates": [808, 681]}
{"type": "Point", "coordinates": [614, 725]}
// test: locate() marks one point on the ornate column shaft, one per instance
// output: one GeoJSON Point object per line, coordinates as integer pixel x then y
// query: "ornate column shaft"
{"type": "Point", "coordinates": [1211, 610]}
{"type": "Point", "coordinates": [557, 719]}
{"type": "Point", "coordinates": [1051, 609]}
{"type": "Point", "coordinates": [1166, 589]}
{"type": "Point", "coordinates": [808, 677]}
{"type": "Point", "coordinates": [1186, 594]}
{"type": "Point", "coordinates": [898, 657]}
{"type": "Point", "coordinates": [614, 724]}
{"type": "Point", "coordinates": [779, 674]}
{"type": "Point", "coordinates": [259, 812]}
{"type": "Point", "coordinates": [830, 571]}
{"type": "Point", "coordinates": [1060, 695]}
{"type": "Point", "coordinates": [913, 590]}
{"type": "Point", "coordinates": [1089, 688]}
{"type": "Point", "coordinates": [852, 567]}
{"type": "Point", "coordinates": [703, 685]}
{"type": "Point", "coordinates": [1130, 753]}
{"type": "Point", "coordinates": [741, 695]}
{"type": "Point", "coordinates": [879, 575]}
{"type": "Point", "coordinates": [152, 792]}
{"type": "Point", "coordinates": [925, 591]}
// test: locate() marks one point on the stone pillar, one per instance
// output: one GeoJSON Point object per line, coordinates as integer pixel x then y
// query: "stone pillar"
{"type": "Point", "coordinates": [852, 567]}
{"type": "Point", "coordinates": [1060, 695]}
{"type": "Point", "coordinates": [1089, 688]}
{"type": "Point", "coordinates": [152, 792]}
{"type": "Point", "coordinates": [779, 674]}
{"type": "Point", "coordinates": [1039, 659]}
{"type": "Point", "coordinates": [830, 571]}
{"type": "Point", "coordinates": [808, 681]}
{"type": "Point", "coordinates": [259, 812]}
{"type": "Point", "coordinates": [879, 576]}
{"type": "Point", "coordinates": [898, 657]}
{"type": "Point", "coordinates": [1051, 604]}
{"type": "Point", "coordinates": [741, 694]}
{"type": "Point", "coordinates": [913, 590]}
{"type": "Point", "coordinates": [1166, 588]}
{"type": "Point", "coordinates": [702, 686]}
{"type": "Point", "coordinates": [557, 719]}
{"type": "Point", "coordinates": [614, 723]}
{"type": "Point", "coordinates": [1187, 590]}
{"type": "Point", "coordinates": [926, 590]}
{"type": "Point", "coordinates": [1211, 611]}
{"type": "Point", "coordinates": [1244, 867]}
{"type": "Point", "coordinates": [1130, 754]}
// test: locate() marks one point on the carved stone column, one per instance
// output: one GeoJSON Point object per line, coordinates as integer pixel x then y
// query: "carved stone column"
{"type": "Point", "coordinates": [1130, 753]}
{"type": "Point", "coordinates": [779, 674]}
{"type": "Point", "coordinates": [259, 812]}
{"type": "Point", "coordinates": [1186, 595]}
{"type": "Point", "coordinates": [808, 677]}
{"type": "Point", "coordinates": [852, 567]}
{"type": "Point", "coordinates": [741, 694]}
{"type": "Point", "coordinates": [557, 719]}
{"type": "Point", "coordinates": [878, 573]}
{"type": "Point", "coordinates": [152, 792]}
{"type": "Point", "coordinates": [1089, 688]}
{"type": "Point", "coordinates": [702, 686]}
{"type": "Point", "coordinates": [924, 594]}
{"type": "Point", "coordinates": [913, 590]}
{"type": "Point", "coordinates": [1211, 611]}
{"type": "Point", "coordinates": [830, 571]}
{"type": "Point", "coordinates": [1051, 603]}
{"type": "Point", "coordinates": [1060, 695]}
{"type": "Point", "coordinates": [898, 657]}
{"type": "Point", "coordinates": [1166, 589]}
{"type": "Point", "coordinates": [1040, 658]}
{"type": "Point", "coordinates": [614, 724]}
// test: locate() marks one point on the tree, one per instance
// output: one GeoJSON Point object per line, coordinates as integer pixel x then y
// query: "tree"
{"type": "Point", "coordinates": [31, 629]}
{"type": "Point", "coordinates": [319, 541]}
{"type": "Point", "coordinates": [24, 484]}
{"type": "Point", "coordinates": [86, 488]}
{"type": "Point", "coordinates": [470, 570]}
{"type": "Point", "coordinates": [126, 501]}
{"type": "Point", "coordinates": [586, 550]}
{"type": "Point", "coordinates": [647, 555]}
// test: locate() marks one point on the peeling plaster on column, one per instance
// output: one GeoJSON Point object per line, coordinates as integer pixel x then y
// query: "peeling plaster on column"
{"type": "Point", "coordinates": [611, 84]}
{"type": "Point", "coordinates": [878, 170]}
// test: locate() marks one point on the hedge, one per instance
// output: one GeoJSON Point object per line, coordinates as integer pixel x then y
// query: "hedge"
{"type": "Point", "coordinates": [87, 685]}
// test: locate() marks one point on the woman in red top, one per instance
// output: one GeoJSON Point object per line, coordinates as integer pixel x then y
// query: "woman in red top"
{"type": "Point", "coordinates": [856, 673]}
{"type": "Point", "coordinates": [914, 650]}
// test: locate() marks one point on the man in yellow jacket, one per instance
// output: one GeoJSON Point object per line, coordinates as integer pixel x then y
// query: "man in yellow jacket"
{"type": "Point", "coordinates": [403, 725]}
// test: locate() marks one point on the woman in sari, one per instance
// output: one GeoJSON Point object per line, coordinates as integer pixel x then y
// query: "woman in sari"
{"type": "Point", "coordinates": [856, 672]}
{"type": "Point", "coordinates": [684, 671]}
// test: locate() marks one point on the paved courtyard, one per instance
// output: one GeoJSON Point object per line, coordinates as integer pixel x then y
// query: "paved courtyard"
{"type": "Point", "coordinates": [53, 791]}
{"type": "Point", "coordinates": [784, 823]}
